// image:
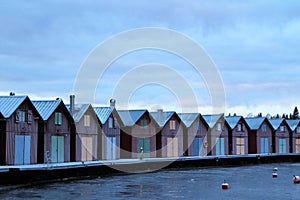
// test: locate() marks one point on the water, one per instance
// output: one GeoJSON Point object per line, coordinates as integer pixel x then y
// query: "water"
{"type": "Point", "coordinates": [248, 182]}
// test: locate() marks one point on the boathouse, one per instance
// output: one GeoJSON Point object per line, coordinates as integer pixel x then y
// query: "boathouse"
{"type": "Point", "coordinates": [294, 125]}
{"type": "Point", "coordinates": [109, 122]}
{"type": "Point", "coordinates": [138, 134]}
{"type": "Point", "coordinates": [237, 135]}
{"type": "Point", "coordinates": [217, 134]}
{"type": "Point", "coordinates": [169, 136]}
{"type": "Point", "coordinates": [259, 136]}
{"type": "Point", "coordinates": [88, 131]}
{"type": "Point", "coordinates": [18, 131]}
{"type": "Point", "coordinates": [280, 135]}
{"type": "Point", "coordinates": [194, 137]}
{"type": "Point", "coordinates": [54, 141]}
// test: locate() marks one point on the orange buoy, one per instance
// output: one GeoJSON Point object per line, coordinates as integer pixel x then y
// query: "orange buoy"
{"type": "Point", "coordinates": [225, 185]}
{"type": "Point", "coordinates": [274, 175]}
{"type": "Point", "coordinates": [296, 179]}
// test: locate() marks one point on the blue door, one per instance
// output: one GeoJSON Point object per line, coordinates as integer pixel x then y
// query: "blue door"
{"type": "Point", "coordinates": [22, 150]}
{"type": "Point", "coordinates": [264, 145]}
{"type": "Point", "coordinates": [220, 146]}
{"type": "Point", "coordinates": [57, 149]}
{"type": "Point", "coordinates": [282, 145]}
{"type": "Point", "coordinates": [111, 147]}
{"type": "Point", "coordinates": [197, 144]}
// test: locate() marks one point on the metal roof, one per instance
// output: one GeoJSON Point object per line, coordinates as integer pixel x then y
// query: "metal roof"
{"type": "Point", "coordinates": [9, 104]}
{"type": "Point", "coordinates": [211, 120]}
{"type": "Point", "coordinates": [254, 122]}
{"type": "Point", "coordinates": [161, 117]}
{"type": "Point", "coordinates": [293, 123]}
{"type": "Point", "coordinates": [188, 118]}
{"type": "Point", "coordinates": [103, 113]}
{"type": "Point", "coordinates": [275, 122]}
{"type": "Point", "coordinates": [233, 120]}
{"type": "Point", "coordinates": [130, 117]}
{"type": "Point", "coordinates": [46, 108]}
{"type": "Point", "coordinates": [80, 110]}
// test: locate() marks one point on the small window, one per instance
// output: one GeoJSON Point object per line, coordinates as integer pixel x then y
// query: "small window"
{"type": "Point", "coordinates": [282, 128]}
{"type": "Point", "coordinates": [239, 127]}
{"type": "Point", "coordinates": [172, 125]}
{"type": "Point", "coordinates": [110, 122]}
{"type": "Point", "coordinates": [219, 126]}
{"type": "Point", "coordinates": [87, 120]}
{"type": "Point", "coordinates": [21, 116]}
{"type": "Point", "coordinates": [58, 118]}
{"type": "Point", "coordinates": [144, 123]}
{"type": "Point", "coordinates": [29, 117]}
{"type": "Point", "coordinates": [298, 129]}
{"type": "Point", "coordinates": [264, 128]}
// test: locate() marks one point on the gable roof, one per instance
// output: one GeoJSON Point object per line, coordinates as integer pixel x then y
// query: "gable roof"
{"type": "Point", "coordinates": [161, 117]}
{"type": "Point", "coordinates": [9, 104]}
{"type": "Point", "coordinates": [130, 117]}
{"type": "Point", "coordinates": [103, 113]}
{"type": "Point", "coordinates": [254, 122]}
{"type": "Point", "coordinates": [292, 123]}
{"type": "Point", "coordinates": [211, 120]}
{"type": "Point", "coordinates": [46, 108]}
{"type": "Point", "coordinates": [232, 121]}
{"type": "Point", "coordinates": [275, 122]}
{"type": "Point", "coordinates": [188, 118]}
{"type": "Point", "coordinates": [79, 111]}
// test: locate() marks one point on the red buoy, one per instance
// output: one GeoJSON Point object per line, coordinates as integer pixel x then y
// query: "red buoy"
{"type": "Point", "coordinates": [225, 185]}
{"type": "Point", "coordinates": [296, 179]}
{"type": "Point", "coordinates": [274, 175]}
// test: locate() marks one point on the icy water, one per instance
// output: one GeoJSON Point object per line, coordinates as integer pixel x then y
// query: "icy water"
{"type": "Point", "coordinates": [247, 182]}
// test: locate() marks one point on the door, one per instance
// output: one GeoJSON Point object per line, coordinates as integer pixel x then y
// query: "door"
{"type": "Point", "coordinates": [297, 148]}
{"type": "Point", "coordinates": [240, 145]}
{"type": "Point", "coordinates": [22, 149]}
{"type": "Point", "coordinates": [111, 147]}
{"type": "Point", "coordinates": [57, 149]}
{"type": "Point", "coordinates": [86, 148]}
{"type": "Point", "coordinates": [172, 147]}
{"type": "Point", "coordinates": [220, 146]}
{"type": "Point", "coordinates": [264, 145]}
{"type": "Point", "coordinates": [196, 146]}
{"type": "Point", "coordinates": [145, 144]}
{"type": "Point", "coordinates": [282, 145]}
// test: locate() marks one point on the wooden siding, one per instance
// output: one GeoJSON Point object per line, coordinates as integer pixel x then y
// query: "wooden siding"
{"type": "Point", "coordinates": [110, 132]}
{"type": "Point", "coordinates": [193, 133]}
{"type": "Point", "coordinates": [213, 134]}
{"type": "Point", "coordinates": [234, 134]}
{"type": "Point", "coordinates": [294, 136]}
{"type": "Point", "coordinates": [14, 128]}
{"type": "Point", "coordinates": [277, 135]}
{"type": "Point", "coordinates": [51, 129]}
{"type": "Point", "coordinates": [93, 131]}
{"type": "Point", "coordinates": [254, 137]}
{"type": "Point", "coordinates": [166, 133]}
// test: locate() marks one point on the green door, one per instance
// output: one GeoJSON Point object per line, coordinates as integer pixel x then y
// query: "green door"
{"type": "Point", "coordinates": [57, 149]}
{"type": "Point", "coordinates": [145, 144]}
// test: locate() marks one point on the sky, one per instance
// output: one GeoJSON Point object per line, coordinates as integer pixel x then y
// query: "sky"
{"type": "Point", "coordinates": [254, 44]}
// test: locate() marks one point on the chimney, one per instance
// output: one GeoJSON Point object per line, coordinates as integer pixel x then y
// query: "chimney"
{"type": "Point", "coordinates": [112, 103]}
{"type": "Point", "coordinates": [72, 104]}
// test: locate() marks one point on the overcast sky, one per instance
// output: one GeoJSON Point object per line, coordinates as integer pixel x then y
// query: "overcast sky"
{"type": "Point", "coordinates": [254, 44]}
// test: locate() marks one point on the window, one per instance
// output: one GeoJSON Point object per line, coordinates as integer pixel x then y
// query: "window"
{"type": "Point", "coordinates": [87, 120]}
{"type": "Point", "coordinates": [282, 128]}
{"type": "Point", "coordinates": [239, 127]}
{"type": "Point", "coordinates": [298, 129]}
{"type": "Point", "coordinates": [110, 122]}
{"type": "Point", "coordinates": [264, 128]}
{"type": "Point", "coordinates": [197, 126]}
{"type": "Point", "coordinates": [21, 116]}
{"type": "Point", "coordinates": [172, 124]}
{"type": "Point", "coordinates": [144, 123]}
{"type": "Point", "coordinates": [219, 126]}
{"type": "Point", "coordinates": [58, 118]}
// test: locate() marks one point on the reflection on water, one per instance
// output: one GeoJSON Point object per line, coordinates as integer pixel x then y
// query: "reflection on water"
{"type": "Point", "coordinates": [248, 182]}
